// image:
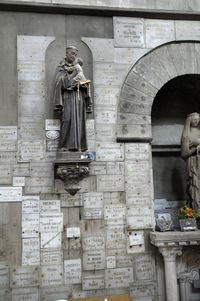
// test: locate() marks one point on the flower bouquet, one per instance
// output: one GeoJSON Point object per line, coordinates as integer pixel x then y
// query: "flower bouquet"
{"type": "Point", "coordinates": [187, 218]}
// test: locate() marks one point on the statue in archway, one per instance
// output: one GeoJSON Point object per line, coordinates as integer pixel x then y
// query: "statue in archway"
{"type": "Point", "coordinates": [190, 152]}
{"type": "Point", "coordinates": [72, 98]}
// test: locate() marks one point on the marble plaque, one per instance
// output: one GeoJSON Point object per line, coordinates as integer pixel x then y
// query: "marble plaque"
{"type": "Point", "coordinates": [50, 240]}
{"type": "Point", "coordinates": [116, 237]}
{"type": "Point", "coordinates": [92, 213]}
{"type": "Point", "coordinates": [72, 271]}
{"type": "Point", "coordinates": [50, 156]}
{"type": "Point", "coordinates": [105, 114]}
{"type": "Point", "coordinates": [68, 200]}
{"type": "Point", "coordinates": [38, 185]}
{"type": "Point", "coordinates": [138, 201]}
{"type": "Point", "coordinates": [31, 87]}
{"type": "Point", "coordinates": [109, 74]}
{"type": "Point", "coordinates": [128, 32]}
{"type": "Point", "coordinates": [93, 282]}
{"type": "Point", "coordinates": [141, 290]}
{"type": "Point", "coordinates": [187, 30]}
{"type": "Point", "coordinates": [31, 128]}
{"type": "Point", "coordinates": [106, 96]}
{"type": "Point", "coordinates": [114, 197]}
{"type": "Point", "coordinates": [73, 232]}
{"type": "Point", "coordinates": [111, 262]}
{"type": "Point", "coordinates": [49, 206]}
{"type": "Point", "coordinates": [139, 218]}
{"type": "Point", "coordinates": [8, 146]}
{"type": "Point", "coordinates": [52, 135]}
{"type": "Point", "coordinates": [10, 194]}
{"type": "Point", "coordinates": [52, 145]}
{"type": "Point", "coordinates": [115, 211]}
{"type": "Point", "coordinates": [93, 205]}
{"type": "Point", "coordinates": [41, 170]}
{"type": "Point", "coordinates": [110, 183]}
{"type": "Point", "coordinates": [139, 166]}
{"type": "Point", "coordinates": [144, 267]}
{"type": "Point", "coordinates": [93, 260]}
{"type": "Point", "coordinates": [137, 151]}
{"type": "Point", "coordinates": [135, 242]}
{"type": "Point", "coordinates": [4, 277]}
{"type": "Point", "coordinates": [51, 275]}
{"type": "Point", "coordinates": [93, 243]}
{"type": "Point", "coordinates": [88, 184]}
{"type": "Point", "coordinates": [52, 293]}
{"type": "Point", "coordinates": [105, 133]}
{"type": "Point", "coordinates": [8, 133]}
{"type": "Point", "coordinates": [30, 225]}
{"type": "Point", "coordinates": [31, 71]}
{"type": "Point", "coordinates": [19, 181]}
{"type": "Point", "coordinates": [24, 276]}
{"type": "Point", "coordinates": [31, 105]}
{"type": "Point", "coordinates": [52, 124]}
{"type": "Point", "coordinates": [5, 174]}
{"type": "Point", "coordinates": [118, 277]}
{"type": "Point", "coordinates": [51, 257]}
{"type": "Point", "coordinates": [97, 168]}
{"type": "Point", "coordinates": [159, 32]}
{"type": "Point", "coordinates": [124, 261]}
{"type": "Point", "coordinates": [30, 244]}
{"type": "Point", "coordinates": [52, 222]}
{"type": "Point", "coordinates": [31, 258]}
{"type": "Point", "coordinates": [102, 49]}
{"type": "Point", "coordinates": [29, 151]}
{"type": "Point", "coordinates": [32, 47]}
{"type": "Point", "coordinates": [115, 168]}
{"type": "Point", "coordinates": [25, 294]}
{"type": "Point", "coordinates": [7, 157]}
{"type": "Point", "coordinates": [30, 204]}
{"type": "Point", "coordinates": [109, 152]}
{"type": "Point", "coordinates": [21, 170]}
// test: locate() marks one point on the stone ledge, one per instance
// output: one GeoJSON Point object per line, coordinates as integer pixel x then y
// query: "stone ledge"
{"type": "Point", "coordinates": [174, 239]}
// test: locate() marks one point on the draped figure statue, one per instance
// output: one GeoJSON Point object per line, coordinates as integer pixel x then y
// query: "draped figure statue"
{"type": "Point", "coordinates": [190, 152]}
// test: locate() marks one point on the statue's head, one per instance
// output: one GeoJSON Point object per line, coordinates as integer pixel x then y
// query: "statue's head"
{"type": "Point", "coordinates": [194, 119]}
{"type": "Point", "coordinates": [71, 53]}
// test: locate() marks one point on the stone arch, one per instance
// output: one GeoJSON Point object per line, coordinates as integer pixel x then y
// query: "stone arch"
{"type": "Point", "coordinates": [143, 82]}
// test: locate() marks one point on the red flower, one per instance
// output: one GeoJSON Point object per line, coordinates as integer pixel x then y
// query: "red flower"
{"type": "Point", "coordinates": [190, 213]}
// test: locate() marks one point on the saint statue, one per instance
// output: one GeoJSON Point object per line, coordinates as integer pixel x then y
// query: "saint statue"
{"type": "Point", "coordinates": [190, 152]}
{"type": "Point", "coordinates": [72, 98]}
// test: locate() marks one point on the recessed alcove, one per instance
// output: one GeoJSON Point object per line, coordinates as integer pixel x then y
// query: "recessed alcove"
{"type": "Point", "coordinates": [173, 102]}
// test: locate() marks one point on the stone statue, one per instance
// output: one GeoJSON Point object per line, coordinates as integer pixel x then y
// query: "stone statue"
{"type": "Point", "coordinates": [190, 152]}
{"type": "Point", "coordinates": [72, 98]}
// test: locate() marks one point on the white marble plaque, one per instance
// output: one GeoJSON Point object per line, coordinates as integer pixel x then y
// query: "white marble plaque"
{"type": "Point", "coordinates": [135, 242]}
{"type": "Point", "coordinates": [4, 277]}
{"type": "Point", "coordinates": [110, 183]}
{"type": "Point", "coordinates": [8, 133]}
{"type": "Point", "coordinates": [144, 267]}
{"type": "Point", "coordinates": [29, 151]}
{"type": "Point", "coordinates": [52, 124]}
{"type": "Point", "coordinates": [138, 201]}
{"type": "Point", "coordinates": [30, 244]}
{"type": "Point", "coordinates": [68, 200]}
{"type": "Point", "coordinates": [128, 32]}
{"type": "Point", "coordinates": [93, 282]}
{"type": "Point", "coordinates": [52, 135]}
{"type": "Point", "coordinates": [187, 30]}
{"type": "Point", "coordinates": [31, 258]}
{"type": "Point", "coordinates": [93, 260]}
{"type": "Point", "coordinates": [50, 240]}
{"type": "Point", "coordinates": [72, 271]}
{"type": "Point", "coordinates": [159, 32]}
{"type": "Point", "coordinates": [19, 181]}
{"type": "Point", "coordinates": [49, 206]}
{"type": "Point", "coordinates": [31, 87]}
{"type": "Point", "coordinates": [51, 222]}
{"type": "Point", "coordinates": [115, 211]}
{"type": "Point", "coordinates": [106, 96]}
{"type": "Point", "coordinates": [92, 213]}
{"type": "Point", "coordinates": [25, 294]}
{"type": "Point", "coordinates": [118, 277]}
{"type": "Point", "coordinates": [52, 145]}
{"type": "Point", "coordinates": [105, 114]}
{"type": "Point", "coordinates": [21, 170]}
{"type": "Point", "coordinates": [51, 275]}
{"type": "Point", "coordinates": [7, 157]}
{"type": "Point", "coordinates": [5, 174]}
{"type": "Point", "coordinates": [139, 218]}
{"type": "Point", "coordinates": [31, 71]}
{"type": "Point", "coordinates": [73, 232]}
{"type": "Point", "coordinates": [8, 146]}
{"type": "Point", "coordinates": [31, 128]}
{"type": "Point", "coordinates": [24, 276]}
{"type": "Point", "coordinates": [111, 262]}
{"type": "Point", "coordinates": [51, 257]}
{"type": "Point", "coordinates": [109, 74]}
{"type": "Point", "coordinates": [10, 194]}
{"type": "Point", "coordinates": [93, 243]}
{"type": "Point", "coordinates": [116, 237]}
{"type": "Point", "coordinates": [109, 152]}
{"type": "Point", "coordinates": [30, 225]}
{"type": "Point", "coordinates": [136, 239]}
{"type": "Point", "coordinates": [93, 205]}
{"type": "Point", "coordinates": [137, 151]}
{"type": "Point", "coordinates": [105, 133]}
{"type": "Point", "coordinates": [30, 204]}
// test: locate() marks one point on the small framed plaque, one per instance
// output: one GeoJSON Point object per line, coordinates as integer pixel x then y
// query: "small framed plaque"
{"type": "Point", "coordinates": [164, 222]}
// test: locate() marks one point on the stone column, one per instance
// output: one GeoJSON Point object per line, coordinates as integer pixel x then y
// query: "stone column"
{"type": "Point", "coordinates": [169, 255]}
{"type": "Point", "coordinates": [185, 280]}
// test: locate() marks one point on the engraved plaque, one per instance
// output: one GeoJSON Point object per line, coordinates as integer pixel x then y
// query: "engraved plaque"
{"type": "Point", "coordinates": [25, 294]}
{"type": "Point", "coordinates": [93, 282]}
{"type": "Point", "coordinates": [118, 277]}
{"type": "Point", "coordinates": [110, 152]}
{"type": "Point", "coordinates": [90, 129]}
{"type": "Point", "coordinates": [143, 290]}
{"type": "Point", "coordinates": [144, 267]}
{"type": "Point", "coordinates": [4, 277]}
{"type": "Point", "coordinates": [30, 204]}
{"type": "Point", "coordinates": [187, 30]}
{"type": "Point", "coordinates": [109, 74]}
{"type": "Point", "coordinates": [105, 133]}
{"type": "Point", "coordinates": [51, 222]}
{"type": "Point", "coordinates": [139, 218]}
{"type": "Point", "coordinates": [137, 151]}
{"type": "Point", "coordinates": [93, 260]}
{"type": "Point", "coordinates": [52, 145]}
{"type": "Point", "coordinates": [19, 181]}
{"type": "Point", "coordinates": [52, 124]}
{"type": "Point", "coordinates": [115, 236]}
{"type": "Point", "coordinates": [31, 258]}
{"type": "Point", "coordinates": [52, 293]}
{"type": "Point", "coordinates": [50, 156]}
{"type": "Point", "coordinates": [31, 70]}
{"type": "Point", "coordinates": [102, 49]}
{"type": "Point", "coordinates": [110, 183]}
{"type": "Point", "coordinates": [50, 240]}
{"type": "Point", "coordinates": [135, 242]}
{"type": "Point", "coordinates": [115, 211]}
{"type": "Point", "coordinates": [31, 128]}
{"type": "Point", "coordinates": [52, 135]}
{"type": "Point", "coordinates": [30, 244]}
{"type": "Point", "coordinates": [128, 32]}
{"type": "Point", "coordinates": [73, 232]}
{"type": "Point", "coordinates": [30, 225]}
{"type": "Point", "coordinates": [21, 170]}
{"type": "Point", "coordinates": [115, 168]}
{"type": "Point", "coordinates": [124, 261]}
{"type": "Point", "coordinates": [97, 168]}
{"type": "Point", "coordinates": [51, 275]}
{"type": "Point", "coordinates": [52, 206]}
{"type": "Point", "coordinates": [138, 201]}
{"type": "Point", "coordinates": [8, 133]}
{"type": "Point", "coordinates": [30, 105]}
{"type": "Point", "coordinates": [93, 243]}
{"type": "Point", "coordinates": [111, 262]}
{"type": "Point", "coordinates": [32, 87]}
{"type": "Point", "coordinates": [50, 257]}
{"type": "Point", "coordinates": [24, 276]}
{"type": "Point", "coordinates": [8, 146]}
{"type": "Point", "coordinates": [105, 115]}
{"type": "Point", "coordinates": [7, 157]}
{"type": "Point", "coordinates": [39, 185]}
{"type": "Point", "coordinates": [159, 32]}
{"type": "Point", "coordinates": [31, 151]}
{"type": "Point", "coordinates": [5, 174]}
{"type": "Point", "coordinates": [72, 271]}
{"type": "Point", "coordinates": [41, 170]}
{"type": "Point", "coordinates": [93, 205]}
{"type": "Point", "coordinates": [10, 194]}
{"type": "Point", "coordinates": [68, 200]}
{"type": "Point", "coordinates": [106, 96]}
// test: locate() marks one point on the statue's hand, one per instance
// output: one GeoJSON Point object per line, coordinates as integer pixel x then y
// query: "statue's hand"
{"type": "Point", "coordinates": [58, 108]}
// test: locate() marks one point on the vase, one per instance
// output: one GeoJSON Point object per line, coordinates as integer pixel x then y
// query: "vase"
{"type": "Point", "coordinates": [188, 224]}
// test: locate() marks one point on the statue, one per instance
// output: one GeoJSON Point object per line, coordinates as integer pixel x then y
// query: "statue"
{"type": "Point", "coordinates": [190, 152]}
{"type": "Point", "coordinates": [72, 98]}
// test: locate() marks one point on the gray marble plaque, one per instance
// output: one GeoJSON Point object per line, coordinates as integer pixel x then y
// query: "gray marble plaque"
{"type": "Point", "coordinates": [52, 124]}
{"type": "Point", "coordinates": [105, 133]}
{"type": "Point", "coordinates": [121, 277]}
{"type": "Point", "coordinates": [93, 200]}
{"type": "Point", "coordinates": [109, 74]}
{"type": "Point", "coordinates": [30, 204]}
{"type": "Point", "coordinates": [31, 105]}
{"type": "Point", "coordinates": [72, 271]}
{"type": "Point", "coordinates": [110, 183]}
{"type": "Point", "coordinates": [93, 260]}
{"type": "Point", "coordinates": [143, 290]}
{"type": "Point", "coordinates": [115, 211]}
{"type": "Point", "coordinates": [41, 170]}
{"type": "Point", "coordinates": [5, 174]}
{"type": "Point", "coordinates": [8, 146]}
{"type": "Point", "coordinates": [31, 70]}
{"type": "Point", "coordinates": [159, 32]}
{"type": "Point", "coordinates": [139, 166]}
{"type": "Point", "coordinates": [24, 276]}
{"type": "Point", "coordinates": [128, 55]}
{"type": "Point", "coordinates": [109, 152]}
{"type": "Point", "coordinates": [144, 267]}
{"type": "Point", "coordinates": [52, 222]}
{"type": "Point", "coordinates": [10, 194]}
{"type": "Point", "coordinates": [25, 294]}
{"type": "Point", "coordinates": [50, 156]}
{"type": "Point", "coordinates": [30, 225]}
{"type": "Point", "coordinates": [97, 168]}
{"type": "Point", "coordinates": [115, 237]}
{"type": "Point", "coordinates": [31, 128]}
{"type": "Point", "coordinates": [114, 197]}
{"type": "Point", "coordinates": [8, 133]}
{"type": "Point", "coordinates": [68, 200]}
{"type": "Point", "coordinates": [105, 114]}
{"type": "Point", "coordinates": [115, 168]}
{"type": "Point", "coordinates": [49, 206]}
{"type": "Point", "coordinates": [106, 96]}
{"type": "Point", "coordinates": [38, 185]}
{"type": "Point", "coordinates": [30, 244]}
{"type": "Point", "coordinates": [124, 261]}
{"type": "Point", "coordinates": [93, 242]}
{"type": "Point", "coordinates": [8, 157]}
{"type": "Point", "coordinates": [21, 170]}
{"type": "Point", "coordinates": [128, 32]}
{"type": "Point", "coordinates": [31, 87]}
{"type": "Point", "coordinates": [29, 151]}
{"type": "Point", "coordinates": [93, 282]}
{"type": "Point", "coordinates": [51, 275]}
{"type": "Point", "coordinates": [51, 257]}
{"type": "Point", "coordinates": [4, 277]}
{"type": "Point", "coordinates": [31, 258]}
{"type": "Point", "coordinates": [137, 151]}
{"type": "Point", "coordinates": [50, 240]}
{"type": "Point", "coordinates": [187, 30]}
{"type": "Point", "coordinates": [139, 218]}
{"type": "Point", "coordinates": [52, 293]}
{"type": "Point", "coordinates": [52, 145]}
